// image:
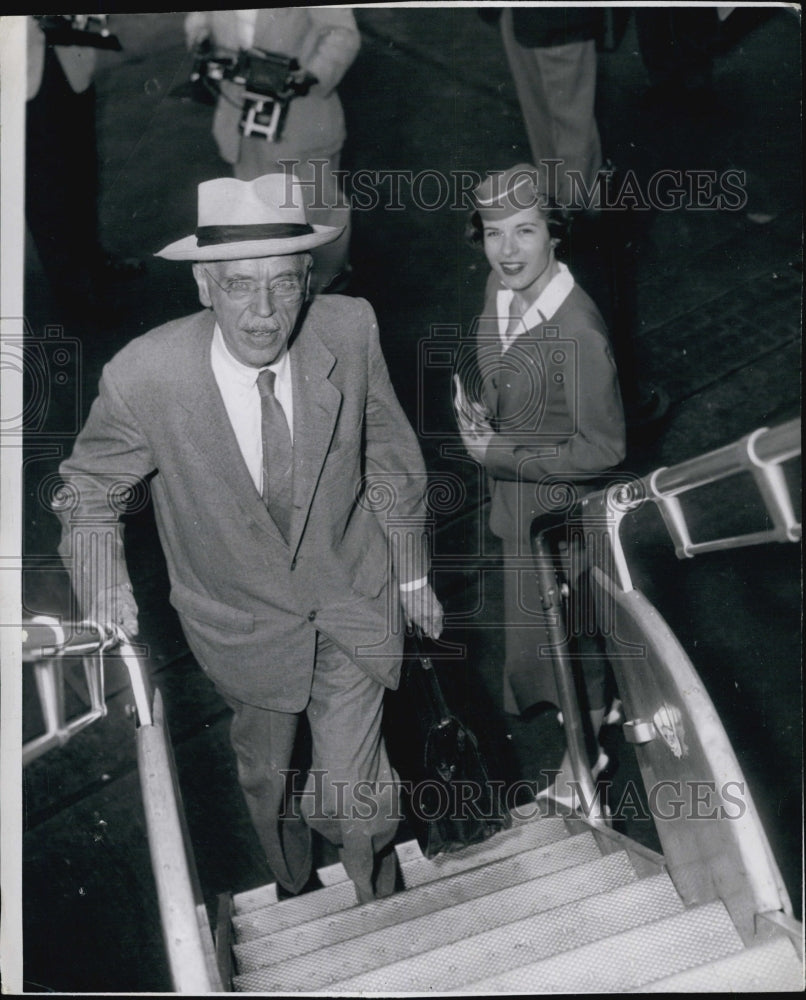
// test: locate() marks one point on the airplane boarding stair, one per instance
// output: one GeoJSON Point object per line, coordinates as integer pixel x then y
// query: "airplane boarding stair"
{"type": "Point", "coordinates": [560, 901]}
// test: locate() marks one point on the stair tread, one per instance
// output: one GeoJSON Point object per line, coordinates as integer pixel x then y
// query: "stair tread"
{"type": "Point", "coordinates": [416, 901]}
{"type": "Point", "coordinates": [476, 952]}
{"type": "Point", "coordinates": [627, 960]}
{"type": "Point", "coordinates": [415, 868]}
{"type": "Point", "coordinates": [762, 968]}
{"type": "Point", "coordinates": [411, 934]}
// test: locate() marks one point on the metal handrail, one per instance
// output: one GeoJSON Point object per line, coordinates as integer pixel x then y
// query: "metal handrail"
{"type": "Point", "coordinates": [45, 645]}
{"type": "Point", "coordinates": [552, 594]}
{"type": "Point", "coordinates": [183, 916]}
{"type": "Point", "coordinates": [762, 453]}
{"type": "Point", "coordinates": [185, 930]}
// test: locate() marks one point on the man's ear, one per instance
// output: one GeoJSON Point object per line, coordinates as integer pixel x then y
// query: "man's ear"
{"type": "Point", "coordinates": [200, 274]}
{"type": "Point", "coordinates": [308, 264]}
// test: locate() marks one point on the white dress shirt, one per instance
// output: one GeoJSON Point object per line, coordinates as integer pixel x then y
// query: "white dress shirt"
{"type": "Point", "coordinates": [238, 386]}
{"type": "Point", "coordinates": [541, 310]}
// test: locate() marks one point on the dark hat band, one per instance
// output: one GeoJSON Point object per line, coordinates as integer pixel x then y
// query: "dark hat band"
{"type": "Point", "coordinates": [207, 236]}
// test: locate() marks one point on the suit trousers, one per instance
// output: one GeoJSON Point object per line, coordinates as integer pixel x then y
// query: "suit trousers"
{"type": "Point", "coordinates": [351, 793]}
{"type": "Point", "coordinates": [556, 87]}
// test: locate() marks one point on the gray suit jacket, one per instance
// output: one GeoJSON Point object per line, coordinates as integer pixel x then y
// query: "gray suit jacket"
{"type": "Point", "coordinates": [250, 602]}
{"type": "Point", "coordinates": [557, 410]}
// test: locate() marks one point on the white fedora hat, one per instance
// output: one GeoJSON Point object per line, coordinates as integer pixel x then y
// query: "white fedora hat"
{"type": "Point", "coordinates": [246, 219]}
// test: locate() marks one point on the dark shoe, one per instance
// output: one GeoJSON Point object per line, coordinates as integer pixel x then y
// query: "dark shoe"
{"type": "Point", "coordinates": [312, 884]}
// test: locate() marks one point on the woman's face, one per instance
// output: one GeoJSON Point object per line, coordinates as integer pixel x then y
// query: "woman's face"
{"type": "Point", "coordinates": [520, 251]}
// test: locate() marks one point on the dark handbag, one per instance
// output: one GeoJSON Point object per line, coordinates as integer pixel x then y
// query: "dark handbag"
{"type": "Point", "coordinates": [450, 800]}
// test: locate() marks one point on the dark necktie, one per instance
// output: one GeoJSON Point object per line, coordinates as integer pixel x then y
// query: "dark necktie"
{"type": "Point", "coordinates": [277, 454]}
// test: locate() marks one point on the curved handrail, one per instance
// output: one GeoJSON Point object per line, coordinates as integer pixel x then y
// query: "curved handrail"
{"type": "Point", "coordinates": [183, 916]}
{"type": "Point", "coordinates": [187, 936]}
{"type": "Point", "coordinates": [762, 453]}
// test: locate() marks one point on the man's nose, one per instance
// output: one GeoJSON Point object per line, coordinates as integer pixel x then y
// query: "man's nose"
{"type": "Point", "coordinates": [263, 304]}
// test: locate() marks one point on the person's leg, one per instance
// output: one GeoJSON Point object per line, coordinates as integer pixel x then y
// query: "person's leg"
{"type": "Point", "coordinates": [556, 87]}
{"type": "Point", "coordinates": [61, 182]}
{"type": "Point", "coordinates": [677, 47]}
{"type": "Point", "coordinates": [352, 790]}
{"type": "Point", "coordinates": [528, 672]}
{"type": "Point", "coordinates": [263, 742]}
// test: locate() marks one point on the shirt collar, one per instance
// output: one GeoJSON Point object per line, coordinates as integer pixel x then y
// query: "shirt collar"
{"type": "Point", "coordinates": [237, 372]}
{"type": "Point", "coordinates": [545, 305]}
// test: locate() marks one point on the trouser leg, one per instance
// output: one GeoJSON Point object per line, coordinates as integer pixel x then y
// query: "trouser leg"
{"type": "Point", "coordinates": [556, 87]}
{"type": "Point", "coordinates": [352, 790]}
{"type": "Point", "coordinates": [263, 741]}
{"type": "Point", "coordinates": [61, 181]}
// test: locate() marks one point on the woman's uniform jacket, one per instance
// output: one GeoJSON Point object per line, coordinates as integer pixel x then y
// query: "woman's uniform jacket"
{"type": "Point", "coordinates": [556, 406]}
{"type": "Point", "coordinates": [251, 603]}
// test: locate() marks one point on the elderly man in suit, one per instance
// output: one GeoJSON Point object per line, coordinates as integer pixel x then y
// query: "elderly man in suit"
{"type": "Point", "coordinates": [288, 489]}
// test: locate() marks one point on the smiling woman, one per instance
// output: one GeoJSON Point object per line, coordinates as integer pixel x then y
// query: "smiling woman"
{"type": "Point", "coordinates": [549, 414]}
{"type": "Point", "coordinates": [520, 251]}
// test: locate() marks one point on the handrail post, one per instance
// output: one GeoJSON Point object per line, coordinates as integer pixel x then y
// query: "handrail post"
{"type": "Point", "coordinates": [573, 725]}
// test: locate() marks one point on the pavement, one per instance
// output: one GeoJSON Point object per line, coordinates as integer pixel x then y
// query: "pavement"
{"type": "Point", "coordinates": [715, 304]}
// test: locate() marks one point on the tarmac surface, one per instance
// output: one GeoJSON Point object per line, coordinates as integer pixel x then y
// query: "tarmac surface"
{"type": "Point", "coordinates": [716, 303]}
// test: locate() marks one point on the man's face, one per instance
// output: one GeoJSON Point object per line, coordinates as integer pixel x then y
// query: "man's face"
{"type": "Point", "coordinates": [256, 302]}
{"type": "Point", "coordinates": [520, 251]}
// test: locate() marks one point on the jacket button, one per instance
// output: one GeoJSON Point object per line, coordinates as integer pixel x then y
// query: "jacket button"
{"type": "Point", "coordinates": [311, 616]}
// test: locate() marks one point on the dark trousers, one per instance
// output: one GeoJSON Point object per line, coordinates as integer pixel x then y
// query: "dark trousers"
{"type": "Point", "coordinates": [677, 45]}
{"type": "Point", "coordinates": [61, 182]}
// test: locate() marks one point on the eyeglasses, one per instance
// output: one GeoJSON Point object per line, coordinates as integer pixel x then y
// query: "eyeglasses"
{"type": "Point", "coordinates": [289, 287]}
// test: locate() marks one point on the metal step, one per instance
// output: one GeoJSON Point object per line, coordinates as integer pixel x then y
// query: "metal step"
{"type": "Point", "coordinates": [397, 937]}
{"type": "Point", "coordinates": [540, 935]}
{"type": "Point", "coordinates": [770, 966]}
{"type": "Point", "coordinates": [420, 899]}
{"type": "Point", "coordinates": [625, 961]}
{"type": "Point", "coordinates": [339, 893]}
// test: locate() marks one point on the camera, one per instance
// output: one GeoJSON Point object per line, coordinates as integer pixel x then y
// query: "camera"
{"type": "Point", "coordinates": [270, 80]}
{"type": "Point", "coordinates": [89, 30]}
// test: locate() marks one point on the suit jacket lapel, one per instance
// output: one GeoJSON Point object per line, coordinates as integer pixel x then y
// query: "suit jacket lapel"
{"type": "Point", "coordinates": [209, 431]}
{"type": "Point", "coordinates": [316, 407]}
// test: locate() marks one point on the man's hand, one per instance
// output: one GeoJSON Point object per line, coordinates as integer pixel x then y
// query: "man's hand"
{"type": "Point", "coordinates": [298, 83]}
{"type": "Point", "coordinates": [474, 423]}
{"type": "Point", "coordinates": [116, 606]}
{"type": "Point", "coordinates": [422, 608]}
